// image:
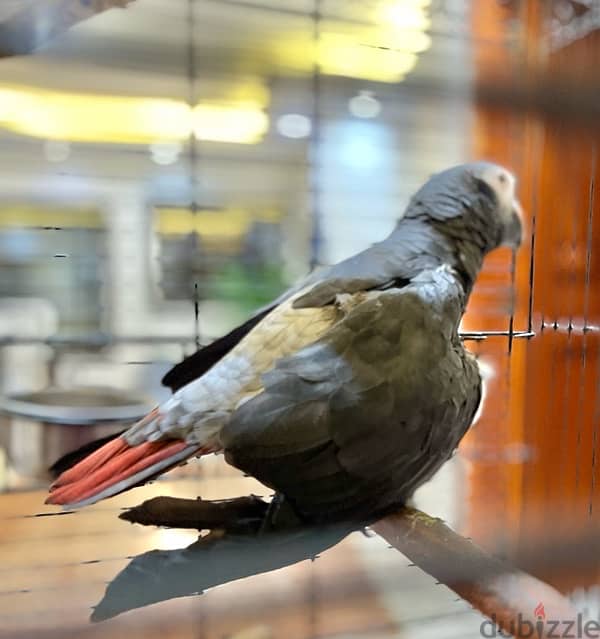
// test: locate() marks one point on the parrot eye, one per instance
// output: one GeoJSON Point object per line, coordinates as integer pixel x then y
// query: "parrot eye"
{"type": "Point", "coordinates": [506, 181]}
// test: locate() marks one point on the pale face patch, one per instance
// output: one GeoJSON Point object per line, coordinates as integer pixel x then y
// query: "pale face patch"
{"type": "Point", "coordinates": [504, 185]}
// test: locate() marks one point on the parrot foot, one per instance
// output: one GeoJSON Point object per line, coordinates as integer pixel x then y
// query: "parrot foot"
{"type": "Point", "coordinates": [280, 516]}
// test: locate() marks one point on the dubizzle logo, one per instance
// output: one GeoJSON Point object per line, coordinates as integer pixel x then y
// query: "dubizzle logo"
{"type": "Point", "coordinates": [544, 627]}
{"type": "Point", "coordinates": [539, 611]}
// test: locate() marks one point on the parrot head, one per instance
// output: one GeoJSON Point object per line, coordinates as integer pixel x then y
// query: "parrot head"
{"type": "Point", "coordinates": [505, 205]}
{"type": "Point", "coordinates": [476, 200]}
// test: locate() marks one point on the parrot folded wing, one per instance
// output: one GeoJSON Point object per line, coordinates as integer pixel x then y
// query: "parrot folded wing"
{"type": "Point", "coordinates": [352, 424]}
{"type": "Point", "coordinates": [205, 358]}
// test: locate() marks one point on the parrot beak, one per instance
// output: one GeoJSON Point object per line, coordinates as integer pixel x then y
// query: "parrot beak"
{"type": "Point", "coordinates": [513, 230]}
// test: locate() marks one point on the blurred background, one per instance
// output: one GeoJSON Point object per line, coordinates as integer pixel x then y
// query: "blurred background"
{"type": "Point", "coordinates": [167, 166]}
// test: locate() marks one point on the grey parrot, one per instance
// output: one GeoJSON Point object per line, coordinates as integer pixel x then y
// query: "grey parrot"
{"type": "Point", "coordinates": [348, 391]}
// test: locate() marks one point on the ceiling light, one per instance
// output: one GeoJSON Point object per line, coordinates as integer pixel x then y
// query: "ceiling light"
{"type": "Point", "coordinates": [364, 105]}
{"type": "Point", "coordinates": [244, 124]}
{"type": "Point", "coordinates": [63, 116]}
{"type": "Point", "coordinates": [346, 56]}
{"type": "Point", "coordinates": [294, 125]}
{"type": "Point", "coordinates": [165, 153]}
{"type": "Point", "coordinates": [405, 15]}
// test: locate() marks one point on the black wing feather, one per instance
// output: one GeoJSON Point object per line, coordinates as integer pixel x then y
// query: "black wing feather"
{"type": "Point", "coordinates": [74, 457]}
{"type": "Point", "coordinates": [197, 364]}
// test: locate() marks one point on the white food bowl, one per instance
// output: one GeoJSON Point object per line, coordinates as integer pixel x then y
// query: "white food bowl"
{"type": "Point", "coordinates": [40, 427]}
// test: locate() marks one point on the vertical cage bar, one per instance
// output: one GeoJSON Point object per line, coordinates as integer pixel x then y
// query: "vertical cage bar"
{"type": "Point", "coordinates": [316, 239]}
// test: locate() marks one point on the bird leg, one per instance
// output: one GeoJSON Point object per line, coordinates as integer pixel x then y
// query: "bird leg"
{"type": "Point", "coordinates": [280, 516]}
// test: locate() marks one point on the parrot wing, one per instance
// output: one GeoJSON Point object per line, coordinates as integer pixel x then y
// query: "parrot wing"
{"type": "Point", "coordinates": [355, 421]}
{"type": "Point", "coordinates": [205, 358]}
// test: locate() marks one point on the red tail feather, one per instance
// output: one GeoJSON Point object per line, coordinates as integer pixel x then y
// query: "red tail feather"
{"type": "Point", "coordinates": [115, 467]}
{"type": "Point", "coordinates": [91, 462]}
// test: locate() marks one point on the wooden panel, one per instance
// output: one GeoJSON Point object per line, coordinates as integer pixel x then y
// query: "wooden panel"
{"type": "Point", "coordinates": [544, 400]}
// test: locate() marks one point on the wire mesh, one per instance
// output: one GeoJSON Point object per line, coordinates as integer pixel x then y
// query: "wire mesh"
{"type": "Point", "coordinates": [148, 248]}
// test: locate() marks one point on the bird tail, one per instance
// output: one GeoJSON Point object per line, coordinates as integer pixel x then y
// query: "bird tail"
{"type": "Point", "coordinates": [117, 466]}
{"type": "Point", "coordinates": [75, 456]}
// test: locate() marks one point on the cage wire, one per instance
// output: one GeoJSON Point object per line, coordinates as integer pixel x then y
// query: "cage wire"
{"type": "Point", "coordinates": [530, 465]}
{"type": "Point", "coordinates": [193, 162]}
{"type": "Point", "coordinates": [566, 325]}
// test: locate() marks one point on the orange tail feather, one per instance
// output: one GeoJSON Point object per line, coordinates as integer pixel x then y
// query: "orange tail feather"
{"type": "Point", "coordinates": [116, 467]}
{"type": "Point", "coordinates": [90, 463]}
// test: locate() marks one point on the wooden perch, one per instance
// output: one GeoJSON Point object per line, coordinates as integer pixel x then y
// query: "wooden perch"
{"type": "Point", "coordinates": [243, 514]}
{"type": "Point", "coordinates": [41, 20]}
{"type": "Point", "coordinates": [507, 596]}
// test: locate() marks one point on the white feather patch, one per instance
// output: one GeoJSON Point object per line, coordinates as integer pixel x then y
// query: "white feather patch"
{"type": "Point", "coordinates": [487, 372]}
{"type": "Point", "coordinates": [197, 411]}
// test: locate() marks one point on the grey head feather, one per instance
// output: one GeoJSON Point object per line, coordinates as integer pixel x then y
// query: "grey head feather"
{"type": "Point", "coordinates": [458, 211]}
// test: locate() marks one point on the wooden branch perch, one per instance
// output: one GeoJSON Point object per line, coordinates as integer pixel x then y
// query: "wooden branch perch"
{"type": "Point", "coordinates": [502, 593]}
{"type": "Point", "coordinates": [243, 514]}
{"type": "Point", "coordinates": [507, 596]}
{"type": "Point", "coordinates": [42, 20]}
